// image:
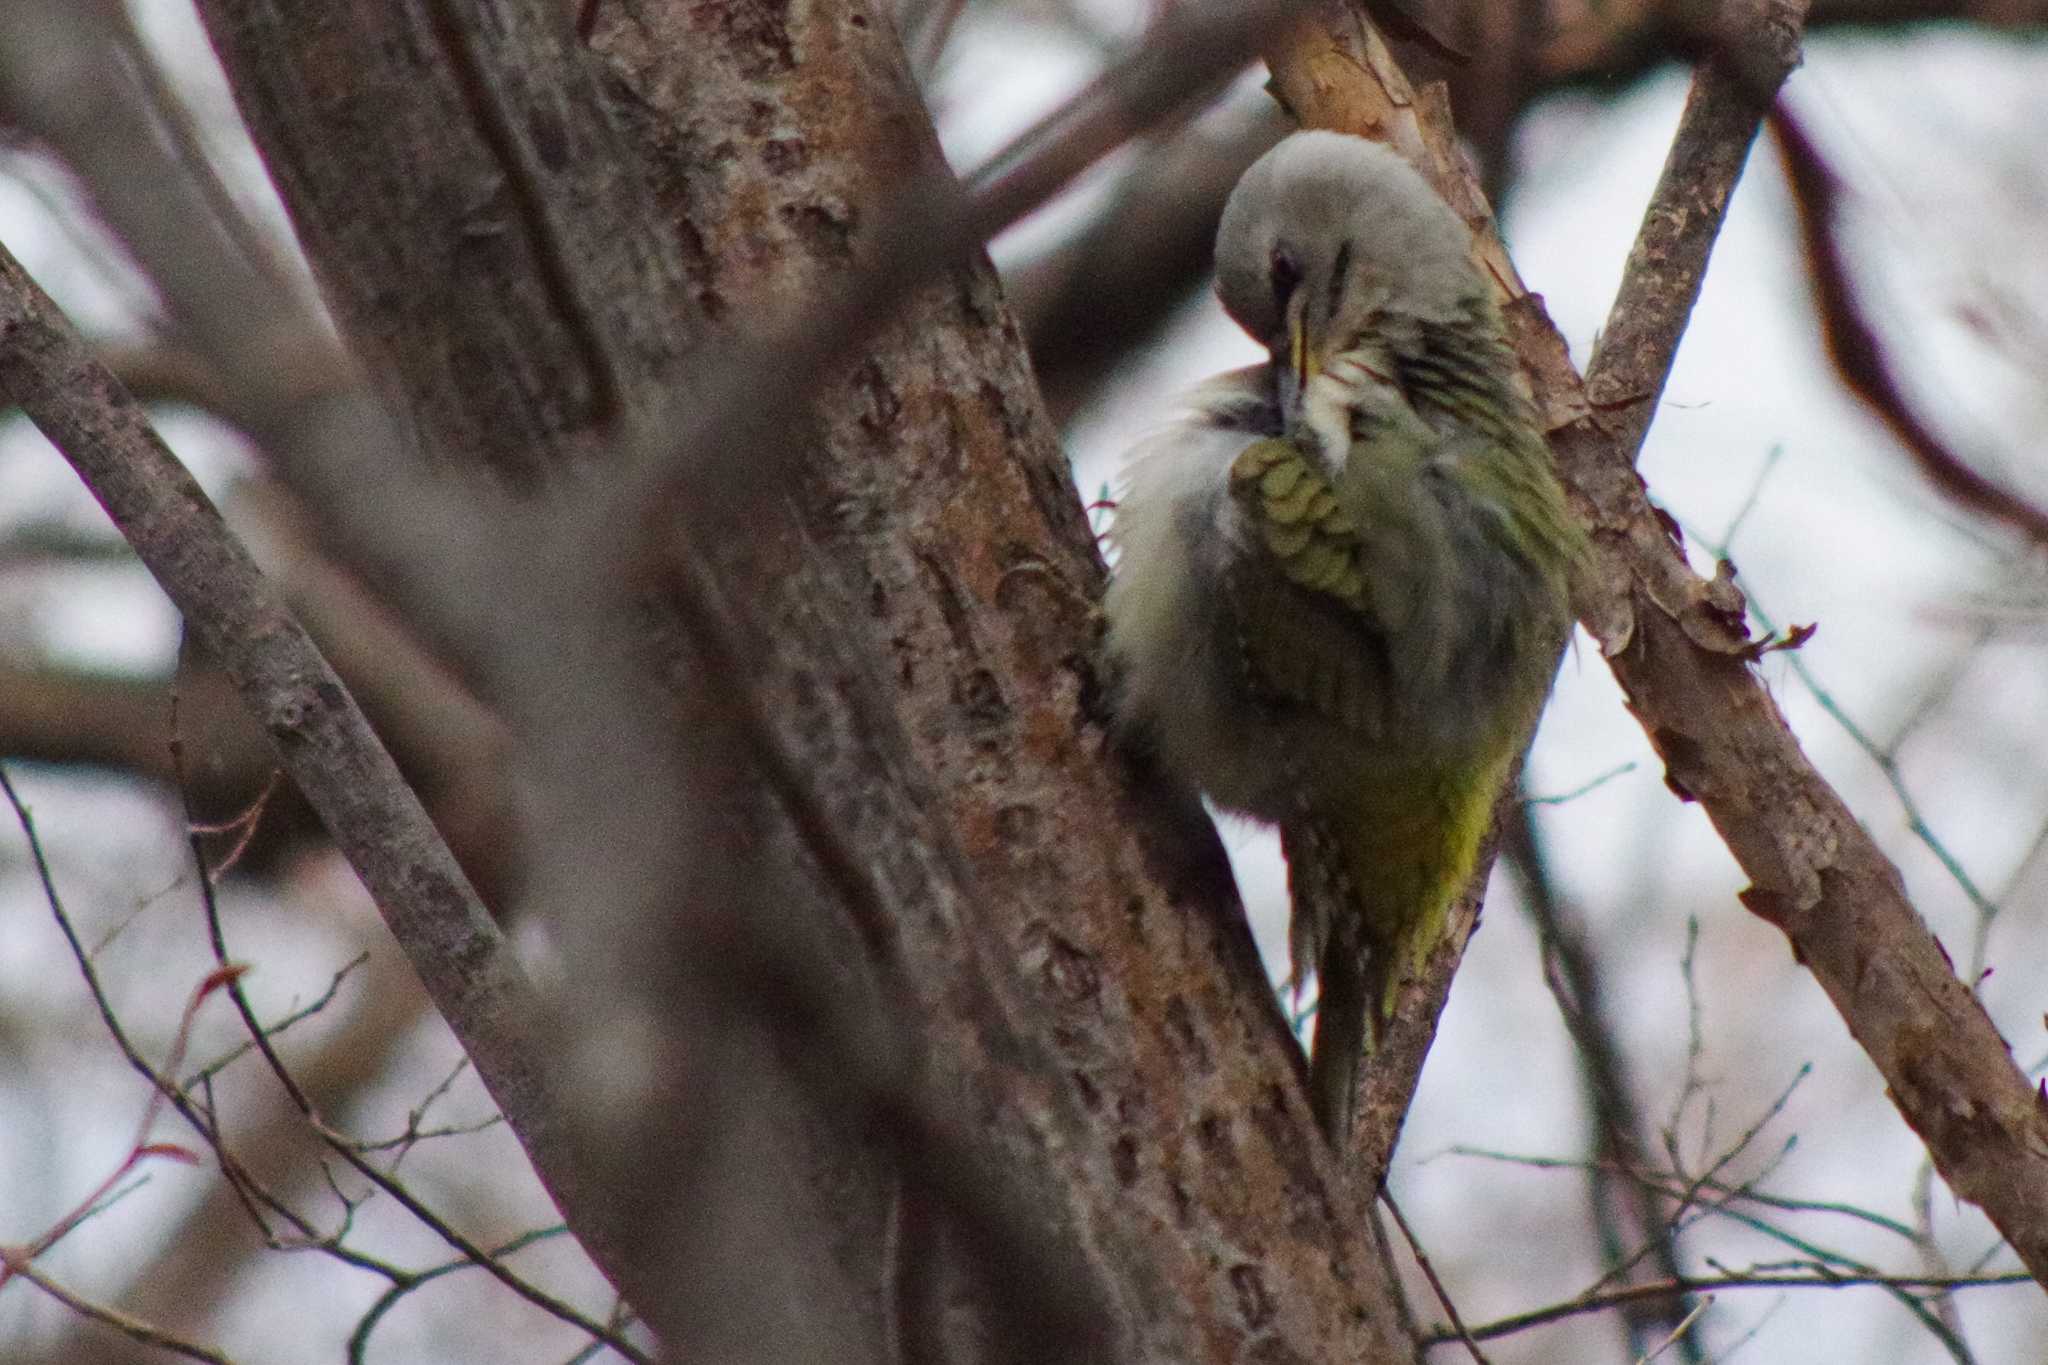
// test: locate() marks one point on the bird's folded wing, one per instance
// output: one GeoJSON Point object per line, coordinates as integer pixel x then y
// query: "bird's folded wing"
{"type": "Point", "coordinates": [1313, 622]}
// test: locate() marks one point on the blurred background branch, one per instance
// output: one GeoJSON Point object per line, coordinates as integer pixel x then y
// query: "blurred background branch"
{"type": "Point", "coordinates": [882, 920]}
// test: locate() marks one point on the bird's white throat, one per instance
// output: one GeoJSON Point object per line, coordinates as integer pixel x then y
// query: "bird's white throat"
{"type": "Point", "coordinates": [1334, 394]}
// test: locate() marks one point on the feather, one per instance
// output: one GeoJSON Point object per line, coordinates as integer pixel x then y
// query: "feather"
{"type": "Point", "coordinates": [1343, 583]}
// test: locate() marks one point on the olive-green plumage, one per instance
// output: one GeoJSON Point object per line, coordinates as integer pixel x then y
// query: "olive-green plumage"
{"type": "Point", "coordinates": [1343, 584]}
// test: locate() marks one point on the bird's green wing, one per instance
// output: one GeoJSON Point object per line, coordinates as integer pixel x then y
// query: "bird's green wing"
{"type": "Point", "coordinates": [1313, 539]}
{"type": "Point", "coordinates": [1320, 595]}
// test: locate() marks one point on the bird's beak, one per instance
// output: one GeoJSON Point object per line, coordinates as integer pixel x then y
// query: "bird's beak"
{"type": "Point", "coordinates": [1302, 362]}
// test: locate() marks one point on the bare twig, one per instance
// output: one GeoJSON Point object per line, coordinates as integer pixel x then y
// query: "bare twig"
{"type": "Point", "coordinates": [1436, 1285]}
{"type": "Point", "coordinates": [263, 1040]}
{"type": "Point", "coordinates": [322, 740]}
{"type": "Point", "coordinates": [299, 1015]}
{"type": "Point", "coordinates": [1688, 1207]}
{"type": "Point", "coordinates": [1673, 1185]}
{"type": "Point", "coordinates": [1817, 1277]}
{"type": "Point", "coordinates": [159, 1081]}
{"type": "Point", "coordinates": [165, 1090]}
{"type": "Point", "coordinates": [1685, 1325]}
{"type": "Point", "coordinates": [608, 1335]}
{"type": "Point", "coordinates": [15, 1259]}
{"type": "Point", "coordinates": [1572, 973]}
{"type": "Point", "coordinates": [147, 1334]}
{"type": "Point", "coordinates": [1571, 794]}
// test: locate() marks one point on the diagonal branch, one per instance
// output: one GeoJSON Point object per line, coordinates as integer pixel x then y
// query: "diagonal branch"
{"type": "Point", "coordinates": [1859, 357]}
{"type": "Point", "coordinates": [321, 738]}
{"type": "Point", "coordinates": [1667, 264]}
{"type": "Point", "coordinates": [1677, 645]}
{"type": "Point", "coordinates": [1679, 648]}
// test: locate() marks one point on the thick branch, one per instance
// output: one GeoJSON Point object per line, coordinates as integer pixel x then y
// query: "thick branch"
{"type": "Point", "coordinates": [1667, 264]}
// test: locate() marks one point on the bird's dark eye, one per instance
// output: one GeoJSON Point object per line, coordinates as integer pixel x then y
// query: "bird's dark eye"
{"type": "Point", "coordinates": [1286, 274]}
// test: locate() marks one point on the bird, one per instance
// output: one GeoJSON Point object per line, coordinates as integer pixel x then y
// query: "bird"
{"type": "Point", "coordinates": [1342, 579]}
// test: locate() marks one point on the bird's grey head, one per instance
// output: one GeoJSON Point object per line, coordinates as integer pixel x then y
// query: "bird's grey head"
{"type": "Point", "coordinates": [1330, 241]}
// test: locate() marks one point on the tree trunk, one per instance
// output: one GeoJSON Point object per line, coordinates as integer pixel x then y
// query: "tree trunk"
{"type": "Point", "coordinates": [533, 246]}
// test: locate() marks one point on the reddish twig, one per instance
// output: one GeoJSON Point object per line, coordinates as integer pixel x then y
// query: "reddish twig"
{"type": "Point", "coordinates": [15, 1259]}
{"type": "Point", "coordinates": [1857, 352]}
{"type": "Point", "coordinates": [352, 1153]}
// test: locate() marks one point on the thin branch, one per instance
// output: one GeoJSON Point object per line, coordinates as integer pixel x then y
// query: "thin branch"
{"type": "Point", "coordinates": [1586, 788]}
{"type": "Point", "coordinates": [1818, 1277]}
{"type": "Point", "coordinates": [161, 1083]}
{"type": "Point", "coordinates": [1685, 1325]}
{"type": "Point", "coordinates": [359, 1339]}
{"type": "Point", "coordinates": [16, 1260]}
{"type": "Point", "coordinates": [386, 1181]}
{"type": "Point", "coordinates": [13, 1259]}
{"type": "Point", "coordinates": [304, 1012]}
{"type": "Point", "coordinates": [1572, 971]}
{"type": "Point", "coordinates": [1672, 1185]}
{"type": "Point", "coordinates": [1859, 355]}
{"type": "Point", "coordinates": [135, 1329]}
{"type": "Point", "coordinates": [1667, 263]}
{"type": "Point", "coordinates": [1947, 1333]}
{"type": "Point", "coordinates": [1443, 1296]}
{"type": "Point", "coordinates": [1684, 1194]}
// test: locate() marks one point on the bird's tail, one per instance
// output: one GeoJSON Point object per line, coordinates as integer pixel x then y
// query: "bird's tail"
{"type": "Point", "coordinates": [1350, 991]}
{"type": "Point", "coordinates": [1348, 1022]}
{"type": "Point", "coordinates": [1368, 911]}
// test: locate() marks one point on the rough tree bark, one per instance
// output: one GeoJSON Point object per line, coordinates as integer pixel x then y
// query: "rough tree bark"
{"type": "Point", "coordinates": [1079, 970]}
